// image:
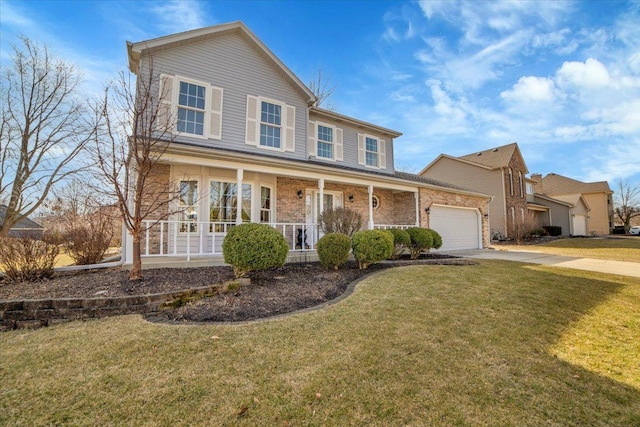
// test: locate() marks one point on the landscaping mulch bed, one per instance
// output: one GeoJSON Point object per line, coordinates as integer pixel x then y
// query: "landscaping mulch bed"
{"type": "Point", "coordinates": [271, 292]}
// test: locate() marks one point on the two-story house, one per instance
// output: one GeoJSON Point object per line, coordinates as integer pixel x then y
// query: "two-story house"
{"type": "Point", "coordinates": [501, 172]}
{"type": "Point", "coordinates": [251, 146]}
{"type": "Point", "coordinates": [598, 219]}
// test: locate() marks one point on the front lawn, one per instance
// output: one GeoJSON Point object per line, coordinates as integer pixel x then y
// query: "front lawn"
{"type": "Point", "coordinates": [497, 343]}
{"type": "Point", "coordinates": [610, 248]}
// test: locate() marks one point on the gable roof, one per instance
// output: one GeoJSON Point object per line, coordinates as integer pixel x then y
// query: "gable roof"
{"type": "Point", "coordinates": [554, 184]}
{"type": "Point", "coordinates": [495, 158]}
{"type": "Point", "coordinates": [574, 199]}
{"type": "Point", "coordinates": [24, 224]}
{"type": "Point", "coordinates": [136, 50]}
{"type": "Point", "coordinates": [491, 159]}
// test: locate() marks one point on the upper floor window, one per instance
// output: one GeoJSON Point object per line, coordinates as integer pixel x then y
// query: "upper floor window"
{"type": "Point", "coordinates": [325, 142]}
{"type": "Point", "coordinates": [521, 182]}
{"type": "Point", "coordinates": [510, 182]}
{"type": "Point", "coordinates": [270, 124]}
{"type": "Point", "coordinates": [190, 107]}
{"type": "Point", "coordinates": [191, 100]}
{"type": "Point", "coordinates": [529, 188]}
{"type": "Point", "coordinates": [371, 151]}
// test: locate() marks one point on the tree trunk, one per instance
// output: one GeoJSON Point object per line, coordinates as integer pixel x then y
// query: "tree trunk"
{"type": "Point", "coordinates": [136, 266]}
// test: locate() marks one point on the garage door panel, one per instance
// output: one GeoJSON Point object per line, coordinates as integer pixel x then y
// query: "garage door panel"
{"type": "Point", "coordinates": [458, 227]}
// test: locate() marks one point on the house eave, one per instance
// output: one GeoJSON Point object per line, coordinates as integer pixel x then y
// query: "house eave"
{"type": "Point", "coordinates": [337, 117]}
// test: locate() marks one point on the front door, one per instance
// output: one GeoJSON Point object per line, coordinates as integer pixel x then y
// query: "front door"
{"type": "Point", "coordinates": [331, 200]}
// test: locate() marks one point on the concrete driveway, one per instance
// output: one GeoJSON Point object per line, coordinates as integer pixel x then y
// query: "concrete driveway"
{"type": "Point", "coordinates": [622, 268]}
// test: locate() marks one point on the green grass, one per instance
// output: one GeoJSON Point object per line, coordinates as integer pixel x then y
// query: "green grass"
{"type": "Point", "coordinates": [616, 249]}
{"type": "Point", "coordinates": [498, 343]}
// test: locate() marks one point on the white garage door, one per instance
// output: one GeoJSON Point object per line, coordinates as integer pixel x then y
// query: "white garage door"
{"type": "Point", "coordinates": [579, 225]}
{"type": "Point", "coordinates": [459, 227]}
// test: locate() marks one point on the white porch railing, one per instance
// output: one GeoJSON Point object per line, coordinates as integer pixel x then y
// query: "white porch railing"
{"type": "Point", "coordinates": [388, 226]}
{"type": "Point", "coordinates": [202, 238]}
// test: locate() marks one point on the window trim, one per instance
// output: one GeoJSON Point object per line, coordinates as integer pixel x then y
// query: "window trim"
{"type": "Point", "coordinates": [333, 143]}
{"type": "Point", "coordinates": [377, 205]}
{"type": "Point", "coordinates": [381, 151]}
{"type": "Point", "coordinates": [270, 210]}
{"type": "Point", "coordinates": [209, 111]}
{"type": "Point", "coordinates": [281, 126]}
{"type": "Point", "coordinates": [210, 180]}
{"type": "Point", "coordinates": [377, 152]}
{"type": "Point", "coordinates": [196, 206]}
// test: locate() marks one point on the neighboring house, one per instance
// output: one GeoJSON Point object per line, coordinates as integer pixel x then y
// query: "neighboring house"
{"type": "Point", "coordinates": [597, 196]}
{"type": "Point", "coordinates": [501, 172]}
{"type": "Point", "coordinates": [24, 228]}
{"type": "Point", "coordinates": [250, 146]}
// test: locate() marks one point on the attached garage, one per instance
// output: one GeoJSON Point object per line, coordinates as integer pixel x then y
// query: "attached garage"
{"type": "Point", "coordinates": [579, 225]}
{"type": "Point", "coordinates": [460, 228]}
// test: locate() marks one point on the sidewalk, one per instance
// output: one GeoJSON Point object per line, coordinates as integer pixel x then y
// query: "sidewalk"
{"type": "Point", "coordinates": [622, 268]}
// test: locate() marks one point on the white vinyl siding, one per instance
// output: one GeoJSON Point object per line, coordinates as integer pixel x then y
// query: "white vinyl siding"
{"type": "Point", "coordinates": [270, 124]}
{"type": "Point", "coordinates": [191, 107]}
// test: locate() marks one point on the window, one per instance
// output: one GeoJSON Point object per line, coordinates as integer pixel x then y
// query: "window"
{"type": "Point", "coordinates": [521, 184]}
{"type": "Point", "coordinates": [188, 206]}
{"type": "Point", "coordinates": [198, 104]}
{"type": "Point", "coordinates": [325, 142]}
{"type": "Point", "coordinates": [270, 124]}
{"type": "Point", "coordinates": [265, 204]}
{"type": "Point", "coordinates": [529, 188]}
{"type": "Point", "coordinates": [375, 202]}
{"type": "Point", "coordinates": [191, 108]}
{"type": "Point", "coordinates": [371, 151]}
{"type": "Point", "coordinates": [510, 182]}
{"type": "Point", "coordinates": [223, 204]}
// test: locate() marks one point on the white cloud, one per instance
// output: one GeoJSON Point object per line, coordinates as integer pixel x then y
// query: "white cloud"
{"type": "Point", "coordinates": [179, 15]}
{"type": "Point", "coordinates": [591, 74]}
{"type": "Point", "coordinates": [531, 89]}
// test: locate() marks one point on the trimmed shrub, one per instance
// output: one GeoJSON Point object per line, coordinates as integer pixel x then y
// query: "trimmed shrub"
{"type": "Point", "coordinates": [340, 220]}
{"type": "Point", "coordinates": [401, 241]}
{"type": "Point", "coordinates": [437, 239]}
{"type": "Point", "coordinates": [249, 247]}
{"type": "Point", "coordinates": [553, 230]}
{"type": "Point", "coordinates": [538, 232]}
{"type": "Point", "coordinates": [371, 246]}
{"type": "Point", "coordinates": [333, 250]}
{"type": "Point", "coordinates": [27, 260]}
{"type": "Point", "coordinates": [421, 240]}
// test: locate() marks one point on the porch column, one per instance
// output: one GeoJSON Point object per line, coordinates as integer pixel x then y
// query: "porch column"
{"type": "Point", "coordinates": [417, 197]}
{"type": "Point", "coordinates": [240, 176]}
{"type": "Point", "coordinates": [321, 202]}
{"type": "Point", "coordinates": [371, 207]}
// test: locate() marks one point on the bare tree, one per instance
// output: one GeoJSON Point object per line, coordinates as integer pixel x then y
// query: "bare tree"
{"type": "Point", "coordinates": [45, 127]}
{"type": "Point", "coordinates": [322, 89]}
{"type": "Point", "coordinates": [627, 201]}
{"type": "Point", "coordinates": [138, 131]}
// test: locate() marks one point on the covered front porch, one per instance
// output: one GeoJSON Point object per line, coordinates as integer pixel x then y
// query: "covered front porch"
{"type": "Point", "coordinates": [215, 198]}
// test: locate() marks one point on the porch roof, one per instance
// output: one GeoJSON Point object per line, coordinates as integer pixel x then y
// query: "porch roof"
{"type": "Point", "coordinates": [180, 152]}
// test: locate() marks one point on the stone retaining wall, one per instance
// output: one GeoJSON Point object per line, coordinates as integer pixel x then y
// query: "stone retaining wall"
{"type": "Point", "coordinates": [15, 314]}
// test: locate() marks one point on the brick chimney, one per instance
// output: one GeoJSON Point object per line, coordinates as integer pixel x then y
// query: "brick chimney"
{"type": "Point", "coordinates": [537, 183]}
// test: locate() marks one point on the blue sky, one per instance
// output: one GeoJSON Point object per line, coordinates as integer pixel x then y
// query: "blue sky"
{"type": "Point", "coordinates": [560, 78]}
